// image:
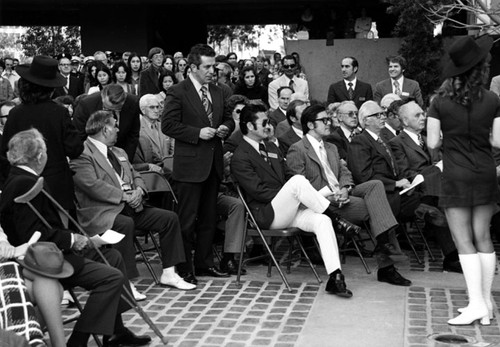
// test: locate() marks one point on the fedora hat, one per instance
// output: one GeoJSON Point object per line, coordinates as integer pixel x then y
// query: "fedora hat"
{"type": "Point", "coordinates": [466, 52]}
{"type": "Point", "coordinates": [45, 259]}
{"type": "Point", "coordinates": [42, 71]}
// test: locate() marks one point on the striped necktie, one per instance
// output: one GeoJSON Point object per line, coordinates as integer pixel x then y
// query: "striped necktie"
{"type": "Point", "coordinates": [388, 151]}
{"type": "Point", "coordinates": [263, 153]}
{"type": "Point", "coordinates": [397, 89]}
{"type": "Point", "coordinates": [207, 105]}
{"type": "Point", "coordinates": [350, 91]}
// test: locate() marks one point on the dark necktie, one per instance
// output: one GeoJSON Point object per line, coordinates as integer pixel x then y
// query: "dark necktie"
{"type": "Point", "coordinates": [290, 84]}
{"type": "Point", "coordinates": [350, 91]}
{"type": "Point", "coordinates": [263, 153]}
{"type": "Point", "coordinates": [114, 162]}
{"type": "Point", "coordinates": [207, 105]}
{"type": "Point", "coordinates": [421, 141]}
{"type": "Point", "coordinates": [388, 151]}
{"type": "Point", "coordinates": [397, 89]}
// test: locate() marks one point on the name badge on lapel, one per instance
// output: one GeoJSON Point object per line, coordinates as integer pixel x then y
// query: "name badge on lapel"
{"type": "Point", "coordinates": [362, 98]}
{"type": "Point", "coordinates": [405, 94]}
{"type": "Point", "coordinates": [122, 159]}
{"type": "Point", "coordinates": [272, 155]}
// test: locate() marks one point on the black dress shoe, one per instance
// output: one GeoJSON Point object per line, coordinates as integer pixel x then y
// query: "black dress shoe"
{"type": "Point", "coordinates": [231, 267]}
{"type": "Point", "coordinates": [392, 276]}
{"type": "Point", "coordinates": [128, 338]}
{"type": "Point", "coordinates": [391, 251]}
{"type": "Point", "coordinates": [211, 271]}
{"type": "Point", "coordinates": [452, 266]}
{"type": "Point", "coordinates": [188, 277]}
{"type": "Point", "coordinates": [345, 227]}
{"type": "Point", "coordinates": [336, 285]}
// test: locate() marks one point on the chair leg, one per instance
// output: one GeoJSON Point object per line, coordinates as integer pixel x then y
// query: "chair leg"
{"type": "Point", "coordinates": [355, 243]}
{"type": "Point", "coordinates": [146, 260]}
{"type": "Point", "coordinates": [242, 251]}
{"type": "Point", "coordinates": [311, 265]}
{"type": "Point", "coordinates": [422, 236]}
{"type": "Point", "coordinates": [290, 251]}
{"type": "Point", "coordinates": [411, 243]}
{"type": "Point", "coordinates": [273, 248]}
{"type": "Point", "coordinates": [80, 309]}
{"type": "Point", "coordinates": [275, 262]}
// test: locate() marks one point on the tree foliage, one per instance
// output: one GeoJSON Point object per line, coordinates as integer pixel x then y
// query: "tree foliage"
{"type": "Point", "coordinates": [419, 47]}
{"type": "Point", "coordinates": [51, 40]}
{"type": "Point", "coordinates": [9, 44]}
{"type": "Point", "coordinates": [236, 36]}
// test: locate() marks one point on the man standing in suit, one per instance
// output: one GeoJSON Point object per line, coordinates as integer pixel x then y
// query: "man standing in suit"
{"type": "Point", "coordinates": [288, 79]}
{"type": "Point", "coordinates": [347, 113]}
{"type": "Point", "coordinates": [320, 163]}
{"type": "Point", "coordinates": [74, 85]}
{"type": "Point", "coordinates": [294, 133]}
{"type": "Point", "coordinates": [148, 83]}
{"type": "Point", "coordinates": [350, 88]}
{"type": "Point", "coordinates": [110, 195]}
{"type": "Point", "coordinates": [258, 167]}
{"type": "Point", "coordinates": [125, 108]}
{"type": "Point", "coordinates": [413, 158]}
{"type": "Point", "coordinates": [397, 83]}
{"type": "Point", "coordinates": [279, 114]}
{"type": "Point", "coordinates": [369, 158]}
{"type": "Point", "coordinates": [27, 154]}
{"type": "Point", "coordinates": [194, 116]}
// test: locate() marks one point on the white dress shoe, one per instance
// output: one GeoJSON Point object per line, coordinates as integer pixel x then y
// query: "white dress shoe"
{"type": "Point", "coordinates": [137, 296]}
{"type": "Point", "coordinates": [176, 282]}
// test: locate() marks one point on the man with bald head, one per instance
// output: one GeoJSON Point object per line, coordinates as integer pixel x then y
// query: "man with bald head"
{"type": "Point", "coordinates": [413, 158]}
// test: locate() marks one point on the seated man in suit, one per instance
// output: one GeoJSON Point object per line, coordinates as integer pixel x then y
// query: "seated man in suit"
{"type": "Point", "coordinates": [279, 114]}
{"type": "Point", "coordinates": [278, 203]}
{"type": "Point", "coordinates": [294, 134]}
{"type": "Point", "coordinates": [413, 158]}
{"type": "Point", "coordinates": [288, 79]}
{"type": "Point", "coordinates": [369, 157]}
{"type": "Point", "coordinates": [111, 195]}
{"type": "Point", "coordinates": [155, 150]}
{"type": "Point", "coordinates": [125, 108]}
{"type": "Point", "coordinates": [393, 124]}
{"type": "Point", "coordinates": [319, 162]}
{"type": "Point", "coordinates": [234, 105]}
{"type": "Point", "coordinates": [397, 83]}
{"type": "Point", "coordinates": [347, 115]}
{"type": "Point", "coordinates": [350, 88]}
{"type": "Point", "coordinates": [74, 85]}
{"type": "Point", "coordinates": [27, 153]}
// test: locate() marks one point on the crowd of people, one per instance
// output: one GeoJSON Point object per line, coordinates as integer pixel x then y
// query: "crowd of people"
{"type": "Point", "coordinates": [209, 122]}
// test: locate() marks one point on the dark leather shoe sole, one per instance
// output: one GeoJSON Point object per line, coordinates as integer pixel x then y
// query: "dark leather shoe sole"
{"type": "Point", "coordinates": [189, 278]}
{"type": "Point", "coordinates": [346, 294]}
{"type": "Point", "coordinates": [394, 280]}
{"type": "Point", "coordinates": [211, 272]}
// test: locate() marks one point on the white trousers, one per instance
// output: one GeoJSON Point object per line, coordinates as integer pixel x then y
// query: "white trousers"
{"type": "Point", "coordinates": [299, 205]}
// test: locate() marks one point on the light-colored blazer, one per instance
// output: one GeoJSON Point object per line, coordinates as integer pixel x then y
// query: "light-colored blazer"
{"type": "Point", "coordinates": [150, 150]}
{"type": "Point", "coordinates": [303, 160]}
{"type": "Point", "coordinates": [300, 86]}
{"type": "Point", "coordinates": [98, 191]}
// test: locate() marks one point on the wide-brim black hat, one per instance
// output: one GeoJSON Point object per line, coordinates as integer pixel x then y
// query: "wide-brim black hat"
{"type": "Point", "coordinates": [42, 71]}
{"type": "Point", "coordinates": [465, 53]}
{"type": "Point", "coordinates": [45, 259]}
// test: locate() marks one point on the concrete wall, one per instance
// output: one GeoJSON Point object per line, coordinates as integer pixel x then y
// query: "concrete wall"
{"type": "Point", "coordinates": [322, 63]}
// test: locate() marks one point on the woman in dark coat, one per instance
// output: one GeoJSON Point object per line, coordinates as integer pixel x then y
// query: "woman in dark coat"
{"type": "Point", "coordinates": [468, 115]}
{"type": "Point", "coordinates": [249, 85]}
{"type": "Point", "coordinates": [37, 110]}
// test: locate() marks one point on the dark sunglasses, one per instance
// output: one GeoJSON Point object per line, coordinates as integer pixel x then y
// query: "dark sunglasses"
{"type": "Point", "coordinates": [325, 120]}
{"type": "Point", "coordinates": [291, 66]}
{"type": "Point", "coordinates": [238, 111]}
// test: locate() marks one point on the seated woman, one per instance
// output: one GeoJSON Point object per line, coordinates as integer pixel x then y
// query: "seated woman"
{"type": "Point", "coordinates": [249, 85]}
{"type": "Point", "coordinates": [43, 291]}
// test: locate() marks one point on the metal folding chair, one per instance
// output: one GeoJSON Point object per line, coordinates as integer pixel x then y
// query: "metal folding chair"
{"type": "Point", "coordinates": [253, 229]}
{"type": "Point", "coordinates": [156, 183]}
{"type": "Point", "coordinates": [404, 227]}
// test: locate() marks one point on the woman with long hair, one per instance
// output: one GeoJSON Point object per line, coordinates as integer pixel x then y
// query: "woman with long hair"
{"type": "Point", "coordinates": [249, 85]}
{"type": "Point", "coordinates": [165, 81]}
{"type": "Point", "coordinates": [180, 71]}
{"type": "Point", "coordinates": [103, 77]}
{"type": "Point", "coordinates": [121, 76]}
{"type": "Point", "coordinates": [467, 114]}
{"type": "Point", "coordinates": [135, 64]}
{"type": "Point", "coordinates": [169, 62]}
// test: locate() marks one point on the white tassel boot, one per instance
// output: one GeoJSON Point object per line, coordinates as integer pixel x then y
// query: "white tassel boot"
{"type": "Point", "coordinates": [477, 309]}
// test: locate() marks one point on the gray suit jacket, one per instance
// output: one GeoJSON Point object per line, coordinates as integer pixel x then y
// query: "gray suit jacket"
{"type": "Point", "coordinates": [302, 160]}
{"type": "Point", "coordinates": [97, 188]}
{"type": "Point", "coordinates": [411, 89]}
{"type": "Point", "coordinates": [152, 149]}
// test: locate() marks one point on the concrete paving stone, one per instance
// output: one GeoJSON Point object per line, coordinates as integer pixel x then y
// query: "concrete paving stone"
{"type": "Point", "coordinates": [266, 333]}
{"type": "Point", "coordinates": [268, 293]}
{"type": "Point", "coordinates": [224, 323]}
{"type": "Point", "coordinates": [242, 302]}
{"type": "Point", "coordinates": [176, 331]}
{"type": "Point", "coordinates": [214, 289]}
{"type": "Point", "coordinates": [232, 315]}
{"type": "Point", "coordinates": [208, 319]}
{"type": "Point", "coordinates": [166, 318]}
{"type": "Point", "coordinates": [283, 345]}
{"type": "Point", "coordinates": [237, 309]}
{"type": "Point", "coordinates": [417, 289]}
{"type": "Point", "coordinates": [299, 314]}
{"type": "Point", "coordinates": [190, 315]}
{"type": "Point", "coordinates": [209, 295]}
{"type": "Point", "coordinates": [186, 298]}
{"type": "Point", "coordinates": [418, 315]}
{"type": "Point", "coordinates": [417, 331]}
{"type": "Point", "coordinates": [308, 294]}
{"type": "Point", "coordinates": [439, 320]}
{"type": "Point", "coordinates": [302, 307]}
{"type": "Point", "coordinates": [260, 307]}
{"type": "Point", "coordinates": [195, 335]}
{"type": "Point", "coordinates": [275, 317]}
{"type": "Point", "coordinates": [288, 338]}
{"type": "Point", "coordinates": [441, 306]}
{"type": "Point", "coordinates": [489, 330]}
{"type": "Point", "coordinates": [279, 310]}
{"type": "Point", "coordinates": [202, 302]}
{"type": "Point", "coordinates": [225, 298]}
{"type": "Point", "coordinates": [256, 313]}
{"type": "Point", "coordinates": [246, 328]}
{"type": "Point", "coordinates": [417, 295]}
{"type": "Point", "coordinates": [235, 344]}
{"type": "Point", "coordinates": [291, 329]}
{"type": "Point", "coordinates": [441, 313]}
{"type": "Point", "coordinates": [267, 299]}
{"type": "Point", "coordinates": [439, 299]}
{"type": "Point", "coordinates": [295, 321]}
{"type": "Point", "coordinates": [241, 337]}
{"type": "Point", "coordinates": [418, 323]}
{"type": "Point", "coordinates": [250, 321]}
{"type": "Point", "coordinates": [216, 340]}
{"type": "Point", "coordinates": [417, 308]}
{"type": "Point", "coordinates": [173, 311]}
{"type": "Point", "coordinates": [184, 322]}
{"type": "Point", "coordinates": [187, 343]}
{"type": "Point", "coordinates": [417, 339]}
{"type": "Point", "coordinates": [248, 295]}
{"type": "Point", "coordinates": [310, 288]}
{"type": "Point", "coordinates": [417, 301]}
{"type": "Point", "coordinates": [273, 287]}
{"type": "Point", "coordinates": [202, 327]}
{"type": "Point", "coordinates": [213, 312]}
{"type": "Point", "coordinates": [219, 305]}
{"type": "Point", "coordinates": [231, 292]}
{"type": "Point", "coordinates": [281, 303]}
{"type": "Point", "coordinates": [271, 325]}
{"type": "Point", "coordinates": [179, 304]}
{"type": "Point", "coordinates": [258, 284]}
{"type": "Point", "coordinates": [305, 301]}
{"type": "Point", "coordinates": [287, 297]}
{"type": "Point", "coordinates": [223, 332]}
{"type": "Point", "coordinates": [197, 308]}
{"type": "Point", "coordinates": [261, 342]}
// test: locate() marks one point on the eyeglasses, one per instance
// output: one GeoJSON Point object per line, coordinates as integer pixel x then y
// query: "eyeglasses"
{"type": "Point", "coordinates": [291, 66]}
{"type": "Point", "coordinates": [238, 111]}
{"type": "Point", "coordinates": [350, 113]}
{"type": "Point", "coordinates": [325, 120]}
{"type": "Point", "coordinates": [377, 115]}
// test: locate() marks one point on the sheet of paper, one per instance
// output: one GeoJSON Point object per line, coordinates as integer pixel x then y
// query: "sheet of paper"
{"type": "Point", "coordinates": [110, 237]}
{"type": "Point", "coordinates": [416, 181]}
